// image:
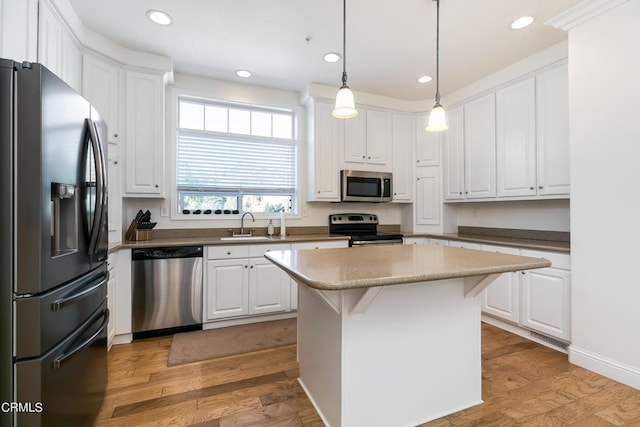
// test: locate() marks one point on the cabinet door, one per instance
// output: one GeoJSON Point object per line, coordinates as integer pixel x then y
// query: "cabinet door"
{"type": "Point", "coordinates": [379, 137]}
{"type": "Point", "coordinates": [466, 245]}
{"type": "Point", "coordinates": [19, 30]}
{"type": "Point", "coordinates": [227, 288]}
{"type": "Point", "coordinates": [71, 62]}
{"type": "Point", "coordinates": [480, 147]}
{"type": "Point", "coordinates": [453, 147]}
{"type": "Point", "coordinates": [428, 200]}
{"type": "Point", "coordinates": [114, 214]}
{"type": "Point", "coordinates": [144, 168]}
{"type": "Point", "coordinates": [326, 135]}
{"type": "Point", "coordinates": [269, 287]}
{"type": "Point", "coordinates": [552, 92]}
{"type": "Point", "coordinates": [101, 87]}
{"type": "Point", "coordinates": [49, 39]}
{"type": "Point", "coordinates": [516, 139]}
{"type": "Point", "coordinates": [403, 173]}
{"type": "Point", "coordinates": [415, 241]}
{"type": "Point", "coordinates": [546, 301]}
{"type": "Point", "coordinates": [355, 140]}
{"type": "Point", "coordinates": [502, 297]}
{"type": "Point", "coordinates": [427, 143]}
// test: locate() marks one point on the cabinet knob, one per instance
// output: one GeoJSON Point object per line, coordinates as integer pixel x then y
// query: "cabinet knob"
{"type": "Point", "coordinates": [246, 266]}
{"type": "Point", "coordinates": [157, 186]}
{"type": "Point", "coordinates": [369, 157]}
{"type": "Point", "coordinates": [115, 162]}
{"type": "Point", "coordinates": [541, 187]}
{"type": "Point", "coordinates": [531, 188]}
{"type": "Point", "coordinates": [523, 273]}
{"type": "Point", "coordinates": [418, 179]}
{"type": "Point", "coordinates": [228, 252]}
{"type": "Point", "coordinates": [318, 191]}
{"type": "Point", "coordinates": [461, 192]}
{"type": "Point", "coordinates": [363, 157]}
{"type": "Point", "coordinates": [115, 135]}
{"type": "Point", "coordinates": [252, 266]}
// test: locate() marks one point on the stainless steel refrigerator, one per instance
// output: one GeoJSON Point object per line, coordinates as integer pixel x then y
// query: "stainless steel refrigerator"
{"type": "Point", "coordinates": [53, 251]}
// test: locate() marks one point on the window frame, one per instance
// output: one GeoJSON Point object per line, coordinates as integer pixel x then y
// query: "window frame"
{"type": "Point", "coordinates": [261, 103]}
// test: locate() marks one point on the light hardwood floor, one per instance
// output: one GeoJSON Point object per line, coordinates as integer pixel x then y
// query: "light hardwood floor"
{"type": "Point", "coordinates": [524, 384]}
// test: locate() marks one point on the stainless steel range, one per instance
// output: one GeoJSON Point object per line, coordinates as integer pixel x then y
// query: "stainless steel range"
{"type": "Point", "coordinates": [362, 228]}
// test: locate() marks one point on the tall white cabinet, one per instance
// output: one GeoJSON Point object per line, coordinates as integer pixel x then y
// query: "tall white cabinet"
{"type": "Point", "coordinates": [144, 109]}
{"type": "Point", "coordinates": [325, 137]}
{"type": "Point", "coordinates": [480, 147]}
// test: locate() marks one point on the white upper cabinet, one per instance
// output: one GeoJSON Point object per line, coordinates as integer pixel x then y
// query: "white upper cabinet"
{"type": "Point", "coordinates": [516, 139]}
{"type": "Point", "coordinates": [326, 135]}
{"type": "Point", "coordinates": [453, 147]}
{"type": "Point", "coordinates": [57, 47]}
{"type": "Point", "coordinates": [427, 143]}
{"type": "Point", "coordinates": [19, 30]}
{"type": "Point", "coordinates": [480, 147]}
{"type": "Point", "coordinates": [512, 143]}
{"type": "Point", "coordinates": [144, 161]}
{"type": "Point", "coordinates": [101, 85]}
{"type": "Point", "coordinates": [379, 140]}
{"type": "Point", "coordinates": [403, 171]}
{"type": "Point", "coordinates": [368, 141]}
{"type": "Point", "coordinates": [552, 110]}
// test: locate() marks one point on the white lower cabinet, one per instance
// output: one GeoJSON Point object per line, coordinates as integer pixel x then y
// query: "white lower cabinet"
{"type": "Point", "coordinates": [537, 300]}
{"type": "Point", "coordinates": [241, 282]}
{"type": "Point", "coordinates": [546, 296]}
{"type": "Point", "coordinates": [502, 298]}
{"type": "Point", "coordinates": [227, 288]}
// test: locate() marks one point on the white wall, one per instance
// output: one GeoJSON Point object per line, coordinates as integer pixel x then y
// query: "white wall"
{"type": "Point", "coordinates": [604, 94]}
{"type": "Point", "coordinates": [552, 215]}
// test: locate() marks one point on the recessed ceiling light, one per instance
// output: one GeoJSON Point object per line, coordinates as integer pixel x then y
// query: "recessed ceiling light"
{"type": "Point", "coordinates": [522, 22]}
{"type": "Point", "coordinates": [425, 79]}
{"type": "Point", "coordinates": [243, 73]}
{"type": "Point", "coordinates": [159, 17]}
{"type": "Point", "coordinates": [332, 57]}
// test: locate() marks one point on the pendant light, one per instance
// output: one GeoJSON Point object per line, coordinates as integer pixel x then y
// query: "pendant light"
{"type": "Point", "coordinates": [345, 104]}
{"type": "Point", "coordinates": [437, 117]}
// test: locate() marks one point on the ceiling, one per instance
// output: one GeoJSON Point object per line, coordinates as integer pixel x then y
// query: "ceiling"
{"type": "Point", "coordinates": [389, 43]}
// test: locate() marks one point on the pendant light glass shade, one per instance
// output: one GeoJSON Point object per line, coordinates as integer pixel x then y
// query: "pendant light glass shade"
{"type": "Point", "coordinates": [437, 117]}
{"type": "Point", "coordinates": [345, 105]}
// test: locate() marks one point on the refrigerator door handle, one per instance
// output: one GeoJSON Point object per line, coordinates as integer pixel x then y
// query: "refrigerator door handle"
{"type": "Point", "coordinates": [96, 227]}
{"type": "Point", "coordinates": [68, 300]}
{"type": "Point", "coordinates": [61, 359]}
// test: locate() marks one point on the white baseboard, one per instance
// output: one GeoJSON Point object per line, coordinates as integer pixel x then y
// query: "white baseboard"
{"type": "Point", "coordinates": [610, 368]}
{"type": "Point", "coordinates": [250, 319]}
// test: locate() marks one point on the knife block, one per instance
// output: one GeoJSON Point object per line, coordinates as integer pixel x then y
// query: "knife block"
{"type": "Point", "coordinates": [136, 235]}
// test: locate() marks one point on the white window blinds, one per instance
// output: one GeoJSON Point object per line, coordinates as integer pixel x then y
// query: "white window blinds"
{"type": "Point", "coordinates": [211, 163]}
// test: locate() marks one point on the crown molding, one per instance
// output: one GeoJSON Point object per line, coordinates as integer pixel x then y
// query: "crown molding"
{"type": "Point", "coordinates": [582, 13]}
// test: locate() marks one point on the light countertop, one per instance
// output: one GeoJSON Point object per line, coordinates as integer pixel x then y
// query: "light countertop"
{"type": "Point", "coordinates": [370, 266]}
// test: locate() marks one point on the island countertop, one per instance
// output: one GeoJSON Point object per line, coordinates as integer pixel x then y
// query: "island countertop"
{"type": "Point", "coordinates": [371, 266]}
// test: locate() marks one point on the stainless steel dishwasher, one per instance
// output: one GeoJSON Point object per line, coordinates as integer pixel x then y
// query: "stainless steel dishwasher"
{"type": "Point", "coordinates": [166, 290]}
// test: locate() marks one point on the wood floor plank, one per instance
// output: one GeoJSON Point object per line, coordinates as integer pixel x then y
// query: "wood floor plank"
{"type": "Point", "coordinates": [524, 384]}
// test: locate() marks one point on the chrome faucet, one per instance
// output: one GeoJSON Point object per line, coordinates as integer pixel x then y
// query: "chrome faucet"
{"type": "Point", "coordinates": [253, 219]}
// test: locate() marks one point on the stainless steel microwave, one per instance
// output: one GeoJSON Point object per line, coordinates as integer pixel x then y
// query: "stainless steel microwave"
{"type": "Point", "coordinates": [363, 186]}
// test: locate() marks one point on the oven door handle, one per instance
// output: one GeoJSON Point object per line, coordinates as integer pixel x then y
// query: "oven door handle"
{"type": "Point", "coordinates": [376, 242]}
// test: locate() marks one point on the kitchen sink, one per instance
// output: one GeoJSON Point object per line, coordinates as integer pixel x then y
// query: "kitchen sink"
{"type": "Point", "coordinates": [245, 238]}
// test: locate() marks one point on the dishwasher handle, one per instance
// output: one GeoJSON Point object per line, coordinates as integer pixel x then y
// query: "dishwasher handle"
{"type": "Point", "coordinates": [142, 254]}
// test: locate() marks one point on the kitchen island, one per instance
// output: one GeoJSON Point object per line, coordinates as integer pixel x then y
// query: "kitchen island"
{"type": "Point", "coordinates": [390, 335]}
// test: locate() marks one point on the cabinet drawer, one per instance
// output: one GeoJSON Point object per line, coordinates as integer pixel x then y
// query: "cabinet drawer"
{"type": "Point", "coordinates": [260, 250]}
{"type": "Point", "coordinates": [224, 252]}
{"type": "Point", "coordinates": [558, 260]}
{"type": "Point", "coordinates": [320, 245]}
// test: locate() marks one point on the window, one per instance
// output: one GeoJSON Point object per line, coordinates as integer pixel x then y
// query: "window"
{"type": "Point", "coordinates": [234, 157]}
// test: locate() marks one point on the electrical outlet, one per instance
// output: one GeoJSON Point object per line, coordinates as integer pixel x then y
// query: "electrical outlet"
{"type": "Point", "coordinates": [164, 211]}
{"type": "Point", "coordinates": [305, 212]}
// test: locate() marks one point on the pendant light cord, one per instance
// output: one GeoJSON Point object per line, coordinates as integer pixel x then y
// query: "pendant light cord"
{"type": "Point", "coordinates": [437, 52]}
{"type": "Point", "coordinates": [344, 43]}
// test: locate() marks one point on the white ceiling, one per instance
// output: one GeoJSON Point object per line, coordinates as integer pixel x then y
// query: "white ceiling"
{"type": "Point", "coordinates": [389, 43]}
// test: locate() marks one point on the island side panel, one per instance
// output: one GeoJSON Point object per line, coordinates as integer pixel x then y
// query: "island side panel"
{"type": "Point", "coordinates": [320, 354]}
{"type": "Point", "coordinates": [413, 356]}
